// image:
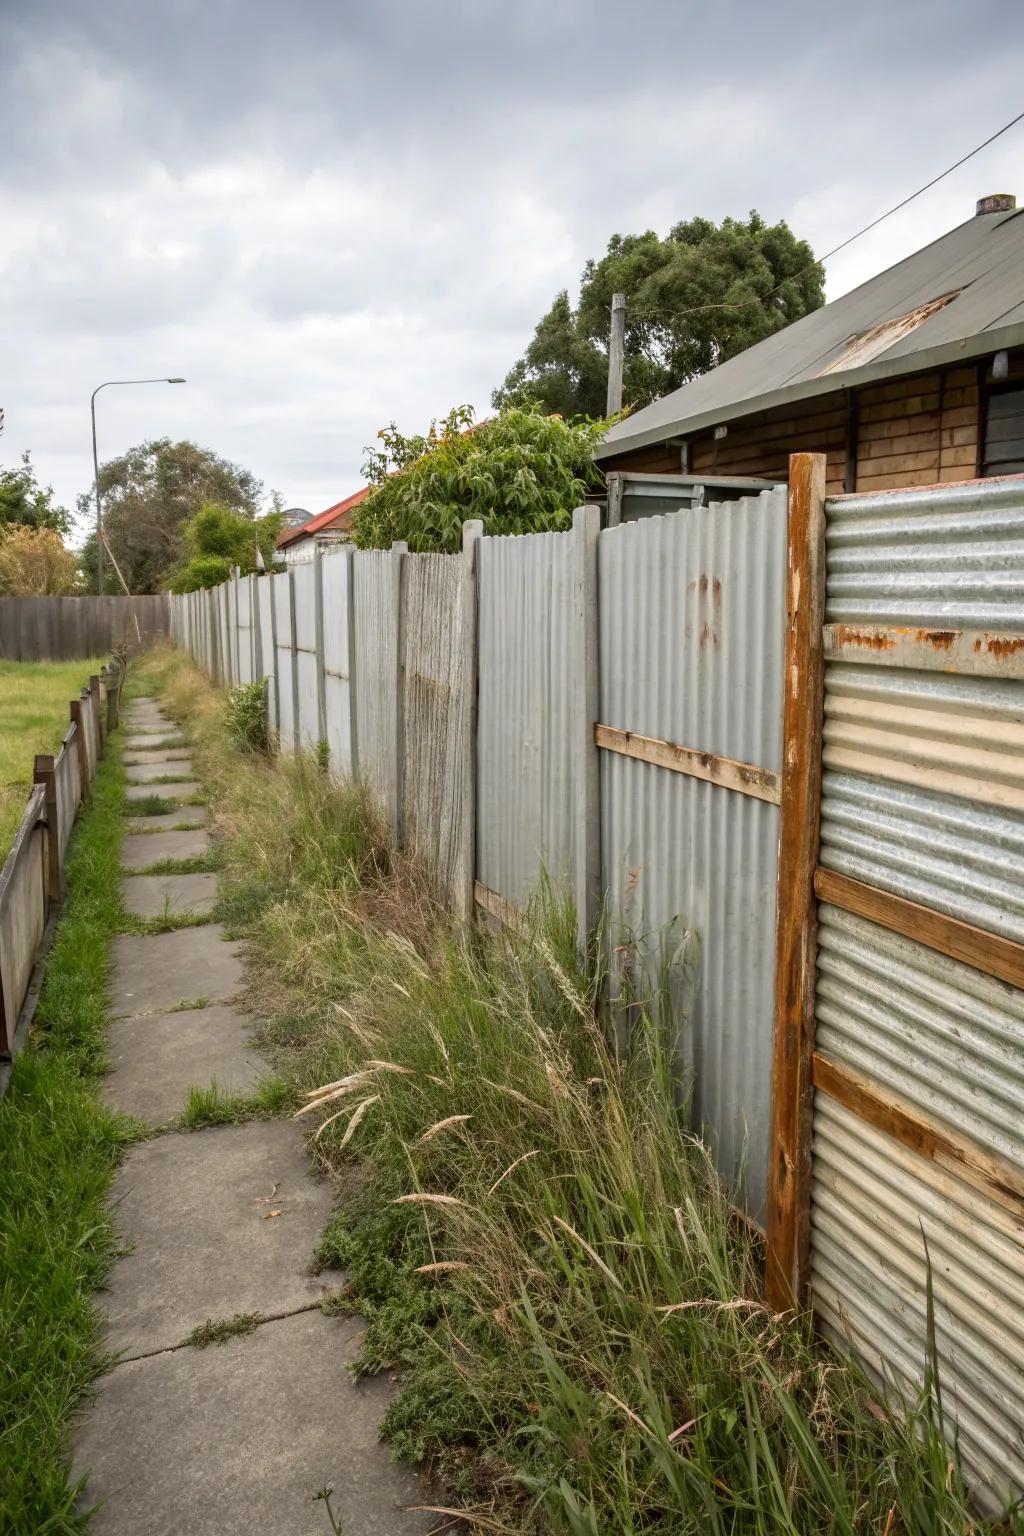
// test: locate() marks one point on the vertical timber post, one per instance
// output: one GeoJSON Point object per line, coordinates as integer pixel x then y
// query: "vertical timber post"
{"type": "Point", "coordinates": [616, 353]}
{"type": "Point", "coordinates": [789, 1158]}
{"type": "Point", "coordinates": [399, 550]}
{"type": "Point", "coordinates": [350, 620]}
{"type": "Point", "coordinates": [586, 526]}
{"type": "Point", "coordinates": [318, 641]}
{"type": "Point", "coordinates": [81, 747]}
{"type": "Point", "coordinates": [614, 486]}
{"type": "Point", "coordinates": [44, 774]}
{"type": "Point", "coordinates": [472, 533]}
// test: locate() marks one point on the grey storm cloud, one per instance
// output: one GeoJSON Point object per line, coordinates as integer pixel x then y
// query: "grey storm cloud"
{"type": "Point", "coordinates": [331, 215]}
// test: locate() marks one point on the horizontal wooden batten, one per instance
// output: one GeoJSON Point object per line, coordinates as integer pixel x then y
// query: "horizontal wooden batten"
{"type": "Point", "coordinates": [987, 952]}
{"type": "Point", "coordinates": [497, 907]}
{"type": "Point", "coordinates": [745, 778]}
{"type": "Point", "coordinates": [974, 652]}
{"type": "Point", "coordinates": [956, 1154]}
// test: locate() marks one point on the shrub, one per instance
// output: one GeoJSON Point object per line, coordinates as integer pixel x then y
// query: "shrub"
{"type": "Point", "coordinates": [521, 472]}
{"type": "Point", "coordinates": [35, 563]}
{"type": "Point", "coordinates": [246, 717]}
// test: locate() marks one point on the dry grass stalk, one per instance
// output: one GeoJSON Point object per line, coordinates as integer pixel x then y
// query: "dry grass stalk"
{"type": "Point", "coordinates": [441, 1125]}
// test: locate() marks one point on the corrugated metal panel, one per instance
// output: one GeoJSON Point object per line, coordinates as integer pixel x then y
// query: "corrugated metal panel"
{"type": "Point", "coordinates": [939, 1034]}
{"type": "Point", "coordinates": [267, 658]}
{"type": "Point", "coordinates": [692, 614]}
{"type": "Point", "coordinates": [377, 670]}
{"type": "Point", "coordinates": [923, 797]}
{"type": "Point", "coordinates": [244, 629]}
{"type": "Point", "coordinates": [875, 1204]}
{"type": "Point", "coordinates": [525, 801]}
{"type": "Point", "coordinates": [305, 577]}
{"type": "Point", "coordinates": [941, 557]}
{"type": "Point", "coordinates": [286, 690]}
{"type": "Point", "coordinates": [434, 810]}
{"type": "Point", "coordinates": [338, 724]}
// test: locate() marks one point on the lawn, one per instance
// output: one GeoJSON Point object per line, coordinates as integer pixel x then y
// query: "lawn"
{"type": "Point", "coordinates": [34, 698]}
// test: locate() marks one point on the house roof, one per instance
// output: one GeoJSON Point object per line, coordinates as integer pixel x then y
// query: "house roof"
{"type": "Point", "coordinates": [868, 334]}
{"type": "Point", "coordinates": [338, 516]}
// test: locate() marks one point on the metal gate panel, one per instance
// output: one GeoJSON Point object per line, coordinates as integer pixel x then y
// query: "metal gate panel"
{"type": "Point", "coordinates": [692, 618]}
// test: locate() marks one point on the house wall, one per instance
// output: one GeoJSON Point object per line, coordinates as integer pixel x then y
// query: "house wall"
{"type": "Point", "coordinates": [917, 430]}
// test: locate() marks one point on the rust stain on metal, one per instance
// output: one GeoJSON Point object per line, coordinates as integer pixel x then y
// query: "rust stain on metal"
{"type": "Point", "coordinates": [941, 639]}
{"type": "Point", "coordinates": [706, 622]}
{"type": "Point", "coordinates": [1000, 646]}
{"type": "Point", "coordinates": [871, 640]}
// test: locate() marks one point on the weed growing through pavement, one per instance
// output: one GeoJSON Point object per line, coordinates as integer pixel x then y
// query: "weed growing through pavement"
{"type": "Point", "coordinates": [212, 1106]}
{"type": "Point", "coordinates": [220, 1330]}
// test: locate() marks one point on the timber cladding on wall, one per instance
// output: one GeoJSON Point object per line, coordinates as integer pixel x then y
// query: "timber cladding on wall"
{"type": "Point", "coordinates": [918, 431]}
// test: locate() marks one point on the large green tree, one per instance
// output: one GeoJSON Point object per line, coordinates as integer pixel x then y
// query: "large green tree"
{"type": "Point", "coordinates": [148, 496]}
{"type": "Point", "coordinates": [217, 539]}
{"type": "Point", "coordinates": [23, 500]}
{"type": "Point", "coordinates": [695, 298]}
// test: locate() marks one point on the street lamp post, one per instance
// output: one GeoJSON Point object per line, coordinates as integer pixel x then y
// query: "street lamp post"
{"type": "Point", "coordinates": [96, 465]}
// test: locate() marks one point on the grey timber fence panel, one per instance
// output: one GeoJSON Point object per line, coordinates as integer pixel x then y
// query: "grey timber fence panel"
{"type": "Point", "coordinates": [525, 776]}
{"type": "Point", "coordinates": [245, 628]}
{"type": "Point", "coordinates": [286, 713]}
{"type": "Point", "coordinates": [692, 618]}
{"type": "Point", "coordinates": [73, 628]}
{"type": "Point", "coordinates": [69, 789]}
{"type": "Point", "coordinates": [376, 626]}
{"type": "Point", "coordinates": [23, 912]}
{"type": "Point", "coordinates": [335, 571]}
{"type": "Point", "coordinates": [436, 819]}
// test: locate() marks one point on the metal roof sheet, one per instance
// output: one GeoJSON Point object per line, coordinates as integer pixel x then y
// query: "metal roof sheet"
{"type": "Point", "coordinates": [983, 258]}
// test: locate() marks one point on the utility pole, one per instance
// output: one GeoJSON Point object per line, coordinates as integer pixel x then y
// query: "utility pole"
{"type": "Point", "coordinates": [616, 353]}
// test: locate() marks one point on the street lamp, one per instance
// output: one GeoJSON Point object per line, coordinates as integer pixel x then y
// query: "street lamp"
{"type": "Point", "coordinates": [96, 464]}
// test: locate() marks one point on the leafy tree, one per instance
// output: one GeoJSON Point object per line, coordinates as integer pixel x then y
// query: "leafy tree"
{"type": "Point", "coordinates": [218, 538]}
{"type": "Point", "coordinates": [698, 297]}
{"type": "Point", "coordinates": [23, 500]}
{"type": "Point", "coordinates": [35, 563]}
{"type": "Point", "coordinates": [520, 472]}
{"type": "Point", "coordinates": [148, 495]}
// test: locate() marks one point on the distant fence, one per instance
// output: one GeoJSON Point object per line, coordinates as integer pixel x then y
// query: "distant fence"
{"type": "Point", "coordinates": [32, 877]}
{"type": "Point", "coordinates": [73, 628]}
{"type": "Point", "coordinates": [814, 763]}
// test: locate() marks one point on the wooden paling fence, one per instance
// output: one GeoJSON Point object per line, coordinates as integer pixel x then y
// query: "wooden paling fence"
{"type": "Point", "coordinates": [74, 628]}
{"type": "Point", "coordinates": [32, 880]}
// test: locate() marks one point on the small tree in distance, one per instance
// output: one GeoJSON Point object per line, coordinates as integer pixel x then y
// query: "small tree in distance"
{"type": "Point", "coordinates": [218, 538]}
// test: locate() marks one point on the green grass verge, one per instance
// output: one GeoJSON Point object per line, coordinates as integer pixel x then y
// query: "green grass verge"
{"type": "Point", "coordinates": [58, 1150]}
{"type": "Point", "coordinates": [34, 699]}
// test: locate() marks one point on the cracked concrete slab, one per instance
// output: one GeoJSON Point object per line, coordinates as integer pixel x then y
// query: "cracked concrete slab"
{"type": "Point", "coordinates": [171, 821]}
{"type": "Point", "coordinates": [239, 1437]}
{"type": "Point", "coordinates": [154, 972]}
{"type": "Point", "coordinates": [149, 755]}
{"type": "Point", "coordinates": [168, 895]}
{"type": "Point", "coordinates": [215, 1222]}
{"type": "Point", "coordinates": [141, 849]}
{"type": "Point", "coordinates": [152, 741]}
{"type": "Point", "coordinates": [156, 1058]}
{"type": "Point", "coordinates": [159, 768]}
{"type": "Point", "coordinates": [176, 791]}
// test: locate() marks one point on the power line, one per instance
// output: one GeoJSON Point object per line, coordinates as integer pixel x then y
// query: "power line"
{"type": "Point", "coordinates": [820, 260]}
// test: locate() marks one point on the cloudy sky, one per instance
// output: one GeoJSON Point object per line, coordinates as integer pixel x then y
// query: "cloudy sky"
{"type": "Point", "coordinates": [328, 215]}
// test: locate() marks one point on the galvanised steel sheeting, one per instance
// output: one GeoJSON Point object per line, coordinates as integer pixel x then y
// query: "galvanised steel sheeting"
{"type": "Point", "coordinates": [954, 735]}
{"type": "Point", "coordinates": [933, 1032]}
{"type": "Point", "coordinates": [944, 557]}
{"type": "Point", "coordinates": [282, 603]}
{"type": "Point", "coordinates": [243, 628]}
{"type": "Point", "coordinates": [692, 619]}
{"type": "Point", "coordinates": [374, 572]}
{"type": "Point", "coordinates": [304, 577]}
{"type": "Point", "coordinates": [337, 686]}
{"type": "Point", "coordinates": [525, 797]}
{"type": "Point", "coordinates": [875, 1204]}
{"type": "Point", "coordinates": [946, 853]}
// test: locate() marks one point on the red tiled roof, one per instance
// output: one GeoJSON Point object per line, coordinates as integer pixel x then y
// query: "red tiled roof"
{"type": "Point", "coordinates": [339, 516]}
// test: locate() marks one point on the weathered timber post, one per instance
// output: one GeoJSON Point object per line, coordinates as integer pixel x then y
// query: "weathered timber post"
{"type": "Point", "coordinates": [44, 774]}
{"type": "Point", "coordinates": [789, 1159]}
{"type": "Point", "coordinates": [586, 526]}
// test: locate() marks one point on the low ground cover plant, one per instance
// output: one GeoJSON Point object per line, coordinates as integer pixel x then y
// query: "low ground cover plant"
{"type": "Point", "coordinates": [535, 1239]}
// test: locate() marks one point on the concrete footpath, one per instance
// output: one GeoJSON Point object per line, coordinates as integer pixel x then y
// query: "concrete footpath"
{"type": "Point", "coordinates": [238, 1437]}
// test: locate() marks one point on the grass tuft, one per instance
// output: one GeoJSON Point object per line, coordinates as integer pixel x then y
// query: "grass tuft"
{"type": "Point", "coordinates": [212, 1106]}
{"type": "Point", "coordinates": [220, 1330]}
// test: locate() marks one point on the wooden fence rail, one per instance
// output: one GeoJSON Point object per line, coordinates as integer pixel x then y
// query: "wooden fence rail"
{"type": "Point", "coordinates": [32, 879]}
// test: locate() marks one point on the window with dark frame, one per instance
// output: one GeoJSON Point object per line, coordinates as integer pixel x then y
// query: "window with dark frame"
{"type": "Point", "coordinates": [1003, 452]}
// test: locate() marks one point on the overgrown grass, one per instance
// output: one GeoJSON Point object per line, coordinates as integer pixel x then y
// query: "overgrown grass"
{"type": "Point", "coordinates": [220, 1330]}
{"type": "Point", "coordinates": [541, 1246]}
{"type": "Point", "coordinates": [58, 1150]}
{"type": "Point", "coordinates": [210, 1105]}
{"type": "Point", "coordinates": [34, 699]}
